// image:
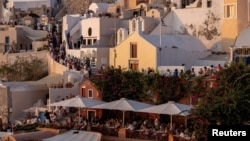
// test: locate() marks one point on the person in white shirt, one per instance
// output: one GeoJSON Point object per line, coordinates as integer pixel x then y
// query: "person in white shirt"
{"type": "Point", "coordinates": [131, 127]}
{"type": "Point", "coordinates": [168, 73]}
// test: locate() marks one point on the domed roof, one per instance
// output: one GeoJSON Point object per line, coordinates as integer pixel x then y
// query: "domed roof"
{"type": "Point", "coordinates": [243, 38]}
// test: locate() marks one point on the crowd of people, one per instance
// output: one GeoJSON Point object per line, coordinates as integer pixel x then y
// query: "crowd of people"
{"type": "Point", "coordinates": [155, 128]}
{"type": "Point", "coordinates": [57, 51]}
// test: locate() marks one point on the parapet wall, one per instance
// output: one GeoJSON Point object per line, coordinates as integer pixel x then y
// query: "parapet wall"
{"type": "Point", "coordinates": [55, 67]}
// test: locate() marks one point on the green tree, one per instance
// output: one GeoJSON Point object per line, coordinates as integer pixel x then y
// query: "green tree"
{"type": "Point", "coordinates": [24, 69]}
{"type": "Point", "coordinates": [170, 88]}
{"type": "Point", "coordinates": [227, 103]}
{"type": "Point", "coordinates": [115, 84]}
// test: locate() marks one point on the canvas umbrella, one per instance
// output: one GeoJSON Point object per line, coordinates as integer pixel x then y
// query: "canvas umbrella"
{"type": "Point", "coordinates": [78, 101]}
{"type": "Point", "coordinates": [38, 104]}
{"type": "Point", "coordinates": [123, 104]}
{"type": "Point", "coordinates": [170, 108]}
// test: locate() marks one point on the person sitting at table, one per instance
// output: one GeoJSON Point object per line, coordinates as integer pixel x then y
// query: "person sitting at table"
{"type": "Point", "coordinates": [108, 123]}
{"type": "Point", "coordinates": [157, 123]}
{"type": "Point", "coordinates": [143, 127]}
{"type": "Point", "coordinates": [117, 126]}
{"type": "Point", "coordinates": [182, 134]}
{"type": "Point", "coordinates": [54, 117]}
{"type": "Point", "coordinates": [117, 123]}
{"type": "Point", "coordinates": [165, 134]}
{"type": "Point", "coordinates": [131, 126]}
{"type": "Point", "coordinates": [130, 130]}
{"type": "Point", "coordinates": [193, 135]}
{"type": "Point", "coordinates": [144, 131]}
{"type": "Point", "coordinates": [84, 124]}
{"type": "Point", "coordinates": [135, 123]}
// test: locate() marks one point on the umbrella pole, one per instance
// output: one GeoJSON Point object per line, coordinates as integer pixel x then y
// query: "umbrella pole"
{"type": "Point", "coordinates": [79, 115]}
{"type": "Point", "coordinates": [171, 122]}
{"type": "Point", "coordinates": [186, 121]}
{"type": "Point", "coordinates": [123, 119]}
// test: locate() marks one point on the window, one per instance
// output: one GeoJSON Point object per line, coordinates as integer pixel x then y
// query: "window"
{"type": "Point", "coordinates": [7, 40]}
{"type": "Point", "coordinates": [133, 50]}
{"type": "Point", "coordinates": [90, 31]}
{"type": "Point", "coordinates": [78, 44]}
{"type": "Point", "coordinates": [30, 47]}
{"type": "Point", "coordinates": [133, 25]}
{"type": "Point", "coordinates": [83, 91]}
{"type": "Point", "coordinates": [7, 43]}
{"type": "Point", "coordinates": [209, 3]}
{"type": "Point", "coordinates": [94, 41]}
{"type": "Point", "coordinates": [230, 11]}
{"type": "Point", "coordinates": [120, 34]}
{"type": "Point", "coordinates": [84, 41]}
{"type": "Point", "coordinates": [134, 64]}
{"type": "Point", "coordinates": [90, 93]}
{"type": "Point", "coordinates": [118, 10]}
{"type": "Point", "coordinates": [89, 41]}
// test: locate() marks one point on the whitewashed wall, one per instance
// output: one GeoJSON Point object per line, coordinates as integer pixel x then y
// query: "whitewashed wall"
{"type": "Point", "coordinates": [57, 94]}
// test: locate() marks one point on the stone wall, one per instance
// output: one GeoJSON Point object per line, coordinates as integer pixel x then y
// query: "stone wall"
{"type": "Point", "coordinates": [4, 112]}
{"type": "Point", "coordinates": [55, 67]}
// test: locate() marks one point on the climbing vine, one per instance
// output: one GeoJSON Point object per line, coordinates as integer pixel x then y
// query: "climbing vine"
{"type": "Point", "coordinates": [208, 29]}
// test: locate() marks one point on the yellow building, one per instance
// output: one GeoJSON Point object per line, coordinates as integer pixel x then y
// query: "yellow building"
{"type": "Point", "coordinates": [132, 52]}
{"type": "Point", "coordinates": [236, 19]}
{"type": "Point", "coordinates": [139, 51]}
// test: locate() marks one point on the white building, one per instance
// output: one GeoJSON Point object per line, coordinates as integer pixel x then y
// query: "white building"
{"type": "Point", "coordinates": [191, 20]}
{"type": "Point", "coordinates": [90, 37]}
